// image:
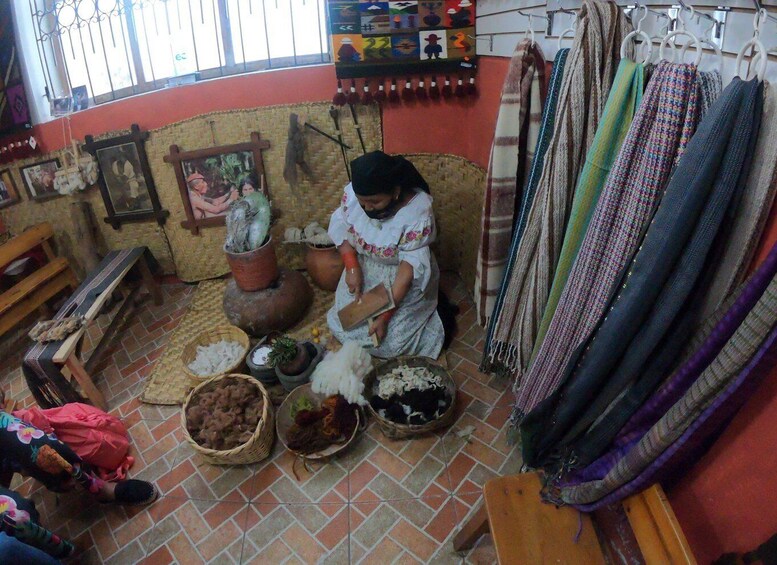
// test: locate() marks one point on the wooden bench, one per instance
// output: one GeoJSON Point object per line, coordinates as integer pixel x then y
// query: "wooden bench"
{"type": "Point", "coordinates": [34, 290]}
{"type": "Point", "coordinates": [526, 530]}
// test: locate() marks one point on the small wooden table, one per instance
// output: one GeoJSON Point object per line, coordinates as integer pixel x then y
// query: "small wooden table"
{"type": "Point", "coordinates": [63, 356]}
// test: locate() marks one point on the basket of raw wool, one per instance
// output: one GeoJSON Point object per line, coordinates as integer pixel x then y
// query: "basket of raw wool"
{"type": "Point", "coordinates": [410, 396]}
{"type": "Point", "coordinates": [214, 352]}
{"type": "Point", "coordinates": [229, 420]}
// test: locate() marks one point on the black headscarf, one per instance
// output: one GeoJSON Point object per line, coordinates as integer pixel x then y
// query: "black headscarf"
{"type": "Point", "coordinates": [378, 173]}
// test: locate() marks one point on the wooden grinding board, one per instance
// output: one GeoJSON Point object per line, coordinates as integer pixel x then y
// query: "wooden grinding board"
{"type": "Point", "coordinates": [372, 303]}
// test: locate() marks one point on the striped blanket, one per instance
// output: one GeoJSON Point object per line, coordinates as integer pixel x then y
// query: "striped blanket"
{"type": "Point", "coordinates": [510, 159]}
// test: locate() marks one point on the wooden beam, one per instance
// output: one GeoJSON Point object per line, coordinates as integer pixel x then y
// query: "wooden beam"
{"type": "Point", "coordinates": [85, 381]}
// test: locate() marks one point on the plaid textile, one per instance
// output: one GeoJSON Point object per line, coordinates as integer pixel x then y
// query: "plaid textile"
{"type": "Point", "coordinates": [748, 220]}
{"type": "Point", "coordinates": [43, 376]}
{"type": "Point", "coordinates": [587, 80]}
{"type": "Point", "coordinates": [685, 405]}
{"type": "Point", "coordinates": [625, 98]}
{"type": "Point", "coordinates": [507, 161]}
{"type": "Point", "coordinates": [659, 281]}
{"type": "Point", "coordinates": [546, 131]}
{"type": "Point", "coordinates": [626, 204]}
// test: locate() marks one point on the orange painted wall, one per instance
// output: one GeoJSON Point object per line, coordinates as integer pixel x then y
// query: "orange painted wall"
{"type": "Point", "coordinates": [460, 127]}
{"type": "Point", "coordinates": [728, 501]}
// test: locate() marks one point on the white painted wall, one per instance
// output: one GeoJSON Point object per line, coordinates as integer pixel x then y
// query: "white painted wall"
{"type": "Point", "coordinates": [495, 17]}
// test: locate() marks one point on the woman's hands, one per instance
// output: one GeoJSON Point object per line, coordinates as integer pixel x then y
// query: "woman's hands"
{"type": "Point", "coordinates": [353, 270]}
{"type": "Point", "coordinates": [355, 281]}
{"type": "Point", "coordinates": [379, 327]}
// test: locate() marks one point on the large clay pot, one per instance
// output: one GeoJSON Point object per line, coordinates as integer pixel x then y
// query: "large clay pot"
{"type": "Point", "coordinates": [254, 270]}
{"type": "Point", "coordinates": [276, 308]}
{"type": "Point", "coordinates": [325, 266]}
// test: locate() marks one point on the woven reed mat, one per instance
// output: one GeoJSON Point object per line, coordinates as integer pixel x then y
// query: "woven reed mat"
{"type": "Point", "coordinates": [168, 384]}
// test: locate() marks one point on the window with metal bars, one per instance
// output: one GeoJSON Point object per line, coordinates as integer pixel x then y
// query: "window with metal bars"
{"type": "Point", "coordinates": [117, 48]}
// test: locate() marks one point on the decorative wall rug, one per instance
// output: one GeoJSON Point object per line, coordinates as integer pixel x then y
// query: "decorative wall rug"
{"type": "Point", "coordinates": [168, 384]}
{"type": "Point", "coordinates": [383, 39]}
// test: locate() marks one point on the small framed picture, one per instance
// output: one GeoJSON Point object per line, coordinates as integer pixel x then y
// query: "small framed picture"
{"type": "Point", "coordinates": [126, 184]}
{"type": "Point", "coordinates": [80, 98]}
{"type": "Point", "coordinates": [60, 106]}
{"type": "Point", "coordinates": [8, 193]}
{"type": "Point", "coordinates": [39, 179]}
{"type": "Point", "coordinates": [210, 179]}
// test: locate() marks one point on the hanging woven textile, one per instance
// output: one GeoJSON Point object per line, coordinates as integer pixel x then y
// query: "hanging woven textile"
{"type": "Point", "coordinates": [507, 165]}
{"type": "Point", "coordinates": [588, 75]}
{"type": "Point", "coordinates": [662, 126]}
{"type": "Point", "coordinates": [707, 181]}
{"type": "Point", "coordinates": [747, 221]}
{"type": "Point", "coordinates": [403, 39]}
{"type": "Point", "coordinates": [543, 142]}
{"type": "Point", "coordinates": [667, 432]}
{"type": "Point", "coordinates": [625, 97]}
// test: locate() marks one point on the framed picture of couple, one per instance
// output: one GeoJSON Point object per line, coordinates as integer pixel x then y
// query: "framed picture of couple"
{"type": "Point", "coordinates": [211, 179]}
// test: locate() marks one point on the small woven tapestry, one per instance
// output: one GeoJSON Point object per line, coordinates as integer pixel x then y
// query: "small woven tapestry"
{"type": "Point", "coordinates": [383, 39]}
{"type": "Point", "coordinates": [14, 110]}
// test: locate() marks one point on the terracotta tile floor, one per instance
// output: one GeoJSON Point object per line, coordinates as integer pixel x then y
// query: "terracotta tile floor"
{"type": "Point", "coordinates": [383, 502]}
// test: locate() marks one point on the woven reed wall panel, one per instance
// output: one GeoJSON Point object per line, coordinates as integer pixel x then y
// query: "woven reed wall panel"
{"type": "Point", "coordinates": [201, 257]}
{"type": "Point", "coordinates": [57, 211]}
{"type": "Point", "coordinates": [457, 186]}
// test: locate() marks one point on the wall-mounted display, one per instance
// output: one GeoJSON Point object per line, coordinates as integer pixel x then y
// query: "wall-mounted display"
{"type": "Point", "coordinates": [210, 179]}
{"type": "Point", "coordinates": [39, 179]}
{"type": "Point", "coordinates": [126, 184]}
{"type": "Point", "coordinates": [9, 194]}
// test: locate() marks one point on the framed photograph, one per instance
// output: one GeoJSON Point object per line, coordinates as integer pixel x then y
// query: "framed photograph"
{"type": "Point", "coordinates": [8, 193]}
{"type": "Point", "coordinates": [39, 179]}
{"type": "Point", "coordinates": [210, 179]}
{"type": "Point", "coordinates": [125, 180]}
{"type": "Point", "coordinates": [60, 106]}
{"type": "Point", "coordinates": [80, 98]}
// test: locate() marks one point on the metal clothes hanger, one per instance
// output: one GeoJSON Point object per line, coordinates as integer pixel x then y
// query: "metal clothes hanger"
{"type": "Point", "coordinates": [571, 30]}
{"type": "Point", "coordinates": [761, 58]}
{"type": "Point", "coordinates": [683, 31]}
{"type": "Point", "coordinates": [709, 43]}
{"type": "Point", "coordinates": [638, 32]}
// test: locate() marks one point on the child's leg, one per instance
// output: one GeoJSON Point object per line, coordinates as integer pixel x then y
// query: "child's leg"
{"type": "Point", "coordinates": [32, 452]}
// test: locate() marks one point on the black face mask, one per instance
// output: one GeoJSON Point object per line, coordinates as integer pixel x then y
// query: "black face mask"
{"type": "Point", "coordinates": [382, 214]}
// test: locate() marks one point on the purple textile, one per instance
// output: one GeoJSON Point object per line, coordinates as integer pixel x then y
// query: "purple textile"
{"type": "Point", "coordinates": [692, 443]}
{"type": "Point", "coordinates": [676, 386]}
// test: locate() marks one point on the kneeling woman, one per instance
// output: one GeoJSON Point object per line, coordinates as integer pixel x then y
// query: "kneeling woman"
{"type": "Point", "coordinates": [383, 229]}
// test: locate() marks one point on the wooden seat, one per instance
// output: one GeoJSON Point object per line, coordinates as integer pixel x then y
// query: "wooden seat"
{"type": "Point", "coordinates": [35, 289]}
{"type": "Point", "coordinates": [526, 530]}
{"type": "Point", "coordinates": [24, 288]}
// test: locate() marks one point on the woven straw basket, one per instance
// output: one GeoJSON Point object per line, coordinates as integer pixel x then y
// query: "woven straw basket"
{"type": "Point", "coordinates": [214, 335]}
{"type": "Point", "coordinates": [392, 430]}
{"type": "Point", "coordinates": [255, 449]}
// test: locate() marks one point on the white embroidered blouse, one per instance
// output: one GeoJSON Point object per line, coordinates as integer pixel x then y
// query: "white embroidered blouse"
{"type": "Point", "coordinates": [406, 236]}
